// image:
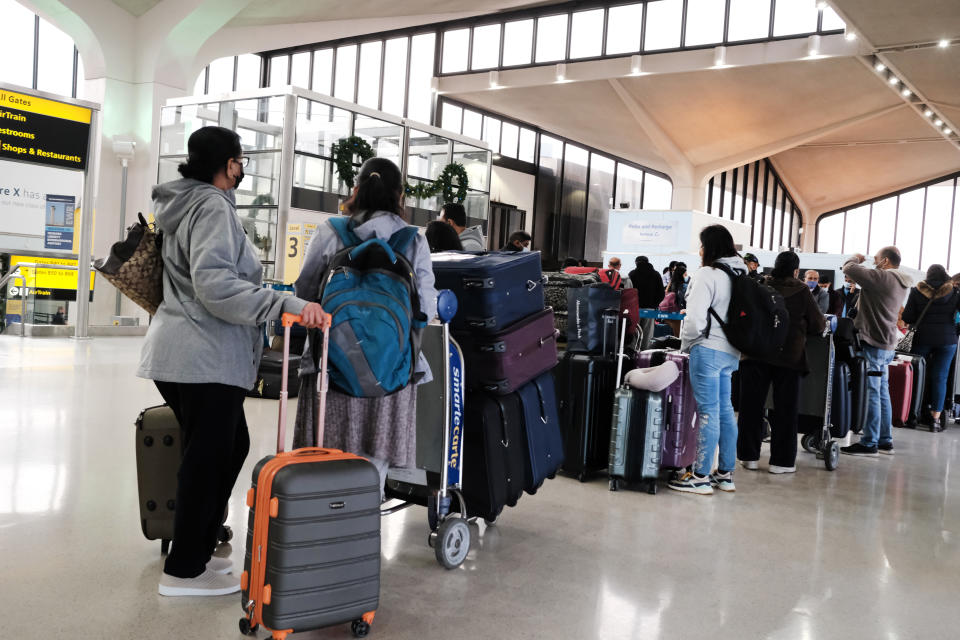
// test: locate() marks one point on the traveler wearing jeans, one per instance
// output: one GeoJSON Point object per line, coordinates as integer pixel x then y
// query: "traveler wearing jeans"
{"type": "Point", "coordinates": [882, 291]}
{"type": "Point", "coordinates": [712, 361]}
{"type": "Point", "coordinates": [203, 348]}
{"type": "Point", "coordinates": [784, 371]}
{"type": "Point", "coordinates": [936, 334]}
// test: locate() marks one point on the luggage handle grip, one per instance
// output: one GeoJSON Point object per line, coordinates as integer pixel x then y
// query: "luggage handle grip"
{"type": "Point", "coordinates": [493, 347]}
{"type": "Point", "coordinates": [288, 320]}
{"type": "Point", "coordinates": [531, 285]}
{"type": "Point", "coordinates": [314, 451]}
{"type": "Point", "coordinates": [478, 283]}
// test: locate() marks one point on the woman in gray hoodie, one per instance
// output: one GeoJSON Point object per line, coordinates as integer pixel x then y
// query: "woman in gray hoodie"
{"type": "Point", "coordinates": [203, 348]}
{"type": "Point", "coordinates": [712, 362]}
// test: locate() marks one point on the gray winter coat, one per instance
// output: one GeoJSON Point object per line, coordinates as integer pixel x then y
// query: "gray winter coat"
{"type": "Point", "coordinates": [472, 239]}
{"type": "Point", "coordinates": [326, 243]}
{"type": "Point", "coordinates": [208, 328]}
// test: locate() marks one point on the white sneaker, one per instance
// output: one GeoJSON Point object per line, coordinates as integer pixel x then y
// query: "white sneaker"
{"type": "Point", "coordinates": [207, 583]}
{"type": "Point", "coordinates": [222, 566]}
{"type": "Point", "coordinates": [775, 469]}
{"type": "Point", "coordinates": [723, 481]}
{"type": "Point", "coordinates": [751, 465]}
{"type": "Point", "coordinates": [691, 483]}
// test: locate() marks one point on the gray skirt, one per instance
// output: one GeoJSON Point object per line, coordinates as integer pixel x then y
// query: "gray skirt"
{"type": "Point", "coordinates": [384, 428]}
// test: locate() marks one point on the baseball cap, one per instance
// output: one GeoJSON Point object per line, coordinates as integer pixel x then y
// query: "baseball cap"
{"type": "Point", "coordinates": [749, 257]}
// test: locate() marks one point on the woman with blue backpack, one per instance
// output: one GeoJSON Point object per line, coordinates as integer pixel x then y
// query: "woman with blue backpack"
{"type": "Point", "coordinates": [372, 272]}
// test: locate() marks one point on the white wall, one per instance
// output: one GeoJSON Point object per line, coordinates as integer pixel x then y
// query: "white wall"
{"type": "Point", "coordinates": [516, 188]}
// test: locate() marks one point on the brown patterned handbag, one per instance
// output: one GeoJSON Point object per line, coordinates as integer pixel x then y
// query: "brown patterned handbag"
{"type": "Point", "coordinates": [135, 265]}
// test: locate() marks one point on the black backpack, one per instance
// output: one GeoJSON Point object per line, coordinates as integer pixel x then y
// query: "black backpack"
{"type": "Point", "coordinates": [757, 318]}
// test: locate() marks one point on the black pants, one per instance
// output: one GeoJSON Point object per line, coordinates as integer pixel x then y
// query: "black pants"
{"type": "Point", "coordinates": [215, 444]}
{"type": "Point", "coordinates": [755, 380]}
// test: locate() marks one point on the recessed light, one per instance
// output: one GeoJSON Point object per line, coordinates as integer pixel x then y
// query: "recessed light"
{"type": "Point", "coordinates": [938, 122]}
{"type": "Point", "coordinates": [906, 93]}
{"type": "Point", "coordinates": [822, 4]}
{"type": "Point", "coordinates": [880, 67]}
{"type": "Point", "coordinates": [894, 80]}
{"type": "Point", "coordinates": [561, 72]}
{"type": "Point", "coordinates": [943, 44]}
{"type": "Point", "coordinates": [850, 35]}
{"type": "Point", "coordinates": [947, 131]}
{"type": "Point", "coordinates": [927, 112]}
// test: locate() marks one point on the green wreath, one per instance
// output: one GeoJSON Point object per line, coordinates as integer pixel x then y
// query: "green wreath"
{"type": "Point", "coordinates": [343, 151]}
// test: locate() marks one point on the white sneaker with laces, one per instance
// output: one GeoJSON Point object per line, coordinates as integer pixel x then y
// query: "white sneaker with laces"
{"type": "Point", "coordinates": [207, 583]}
{"type": "Point", "coordinates": [723, 481]}
{"type": "Point", "coordinates": [751, 465]}
{"type": "Point", "coordinates": [222, 566]}
{"type": "Point", "coordinates": [776, 469]}
{"type": "Point", "coordinates": [691, 483]}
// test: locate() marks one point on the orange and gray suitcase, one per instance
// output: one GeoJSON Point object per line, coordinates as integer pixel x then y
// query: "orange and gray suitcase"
{"type": "Point", "coordinates": [159, 449]}
{"type": "Point", "coordinates": [313, 539]}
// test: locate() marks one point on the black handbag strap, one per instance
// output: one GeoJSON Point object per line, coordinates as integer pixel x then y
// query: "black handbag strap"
{"type": "Point", "coordinates": [922, 314]}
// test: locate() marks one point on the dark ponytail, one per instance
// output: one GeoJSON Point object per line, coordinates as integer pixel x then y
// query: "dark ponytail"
{"type": "Point", "coordinates": [379, 188]}
{"type": "Point", "coordinates": [210, 149]}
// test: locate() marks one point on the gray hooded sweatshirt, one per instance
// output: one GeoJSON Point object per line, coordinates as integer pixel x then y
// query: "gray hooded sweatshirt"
{"type": "Point", "coordinates": [472, 239]}
{"type": "Point", "coordinates": [882, 294]}
{"type": "Point", "coordinates": [208, 328]}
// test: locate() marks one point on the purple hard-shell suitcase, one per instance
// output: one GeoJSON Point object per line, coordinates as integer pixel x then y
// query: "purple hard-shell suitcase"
{"type": "Point", "coordinates": [503, 362]}
{"type": "Point", "coordinates": [680, 426]}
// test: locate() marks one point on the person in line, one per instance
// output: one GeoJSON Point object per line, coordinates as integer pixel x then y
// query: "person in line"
{"type": "Point", "coordinates": [812, 280]}
{"type": "Point", "coordinates": [518, 241]}
{"type": "Point", "coordinates": [471, 238]}
{"type": "Point", "coordinates": [849, 296]}
{"type": "Point", "coordinates": [753, 266]}
{"type": "Point", "coordinates": [611, 275]}
{"type": "Point", "coordinates": [882, 290]}
{"type": "Point", "coordinates": [668, 273]}
{"type": "Point", "coordinates": [675, 299]}
{"type": "Point", "coordinates": [442, 237]}
{"type": "Point", "coordinates": [834, 301]}
{"type": "Point", "coordinates": [59, 318]}
{"type": "Point", "coordinates": [650, 292]}
{"type": "Point", "coordinates": [784, 372]}
{"type": "Point", "coordinates": [203, 348]}
{"type": "Point", "coordinates": [381, 428]}
{"type": "Point", "coordinates": [712, 362]}
{"type": "Point", "coordinates": [931, 309]}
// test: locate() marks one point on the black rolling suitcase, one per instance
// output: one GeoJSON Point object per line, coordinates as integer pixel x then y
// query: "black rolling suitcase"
{"type": "Point", "coordinates": [159, 449]}
{"type": "Point", "coordinates": [269, 375]}
{"type": "Point", "coordinates": [858, 393]}
{"type": "Point", "coordinates": [313, 540]}
{"type": "Point", "coordinates": [493, 434]}
{"type": "Point", "coordinates": [841, 403]}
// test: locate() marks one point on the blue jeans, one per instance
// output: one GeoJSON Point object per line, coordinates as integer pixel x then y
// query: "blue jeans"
{"type": "Point", "coordinates": [939, 360]}
{"type": "Point", "coordinates": [878, 423]}
{"type": "Point", "coordinates": [710, 372]}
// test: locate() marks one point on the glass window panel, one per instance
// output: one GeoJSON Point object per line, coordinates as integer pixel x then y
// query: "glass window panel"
{"type": "Point", "coordinates": [178, 123]}
{"type": "Point", "coordinates": [586, 34]}
{"type": "Point", "coordinates": [955, 246]}
{"type": "Point", "coordinates": [199, 87]}
{"type": "Point", "coordinates": [455, 44]}
{"type": "Point", "coordinates": [777, 226]}
{"type": "Point", "coordinates": [528, 145]}
{"type": "Point", "coordinates": [629, 187]}
{"type": "Point", "coordinates": [486, 47]}
{"type": "Point", "coordinates": [657, 192]}
{"type": "Point", "coordinates": [491, 133]}
{"type": "Point", "coordinates": [346, 78]}
{"type": "Point", "coordinates": [795, 16]}
{"type": "Point", "coordinates": [322, 71]}
{"type": "Point", "coordinates": [729, 197]}
{"type": "Point", "coordinates": [714, 198]}
{"type": "Point", "coordinates": [315, 185]}
{"type": "Point", "coordinates": [421, 73]}
{"type": "Point", "coordinates": [599, 203]}
{"type": "Point", "coordinates": [54, 60]}
{"type": "Point", "coordinates": [427, 156]}
{"type": "Point", "coordinates": [260, 223]}
{"type": "Point", "coordinates": [551, 38]}
{"type": "Point", "coordinates": [475, 161]}
{"type": "Point", "coordinates": [248, 71]}
{"type": "Point", "coordinates": [623, 28]}
{"type": "Point", "coordinates": [704, 21]}
{"type": "Point", "coordinates": [883, 224]}
{"type": "Point", "coordinates": [737, 195]}
{"type": "Point", "coordinates": [385, 137]}
{"type": "Point", "coordinates": [767, 226]}
{"type": "Point", "coordinates": [221, 76]}
{"type": "Point", "coordinates": [548, 196]}
{"type": "Point", "coordinates": [16, 37]}
{"type": "Point", "coordinates": [570, 239]}
{"type": "Point", "coordinates": [664, 18]}
{"type": "Point", "coordinates": [278, 70]}
{"type": "Point", "coordinates": [509, 140]}
{"type": "Point", "coordinates": [394, 76]}
{"type": "Point", "coordinates": [517, 42]}
{"type": "Point", "coordinates": [477, 204]}
{"type": "Point", "coordinates": [936, 241]}
{"type": "Point", "coordinates": [451, 117]}
{"type": "Point", "coordinates": [259, 122]}
{"type": "Point", "coordinates": [300, 69]}
{"type": "Point", "coordinates": [909, 227]}
{"type": "Point", "coordinates": [831, 20]}
{"type": "Point", "coordinates": [368, 93]}
{"type": "Point", "coordinates": [472, 124]}
{"type": "Point", "coordinates": [749, 19]}
{"type": "Point", "coordinates": [262, 182]}
{"type": "Point", "coordinates": [81, 78]}
{"type": "Point", "coordinates": [319, 127]}
{"type": "Point", "coordinates": [855, 237]}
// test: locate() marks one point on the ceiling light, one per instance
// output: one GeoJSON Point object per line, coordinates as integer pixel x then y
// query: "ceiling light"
{"type": "Point", "coordinates": [947, 131]}
{"type": "Point", "coordinates": [880, 67]}
{"type": "Point", "coordinates": [635, 64]}
{"type": "Point", "coordinates": [927, 112]}
{"type": "Point", "coordinates": [906, 92]}
{"type": "Point", "coordinates": [822, 4]}
{"type": "Point", "coordinates": [720, 56]}
{"type": "Point", "coordinates": [938, 122]}
{"type": "Point", "coordinates": [894, 80]}
{"type": "Point", "coordinates": [850, 35]}
{"type": "Point", "coordinates": [813, 46]}
{"type": "Point", "coordinates": [494, 79]}
{"type": "Point", "coordinates": [561, 72]}
{"type": "Point", "coordinates": [496, 156]}
{"type": "Point", "coordinates": [943, 44]}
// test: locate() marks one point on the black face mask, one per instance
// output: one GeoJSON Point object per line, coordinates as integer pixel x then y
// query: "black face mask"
{"type": "Point", "coordinates": [239, 178]}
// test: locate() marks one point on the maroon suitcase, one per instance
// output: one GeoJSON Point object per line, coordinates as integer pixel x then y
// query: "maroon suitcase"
{"type": "Point", "coordinates": [901, 391]}
{"type": "Point", "coordinates": [680, 426]}
{"type": "Point", "coordinates": [503, 362]}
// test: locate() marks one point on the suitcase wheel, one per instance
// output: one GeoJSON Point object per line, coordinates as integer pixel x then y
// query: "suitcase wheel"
{"type": "Point", "coordinates": [245, 627]}
{"type": "Point", "coordinates": [582, 476]}
{"type": "Point", "coordinates": [360, 628]}
{"type": "Point", "coordinates": [808, 443]}
{"type": "Point", "coordinates": [225, 534]}
{"type": "Point", "coordinates": [164, 546]}
{"type": "Point", "coordinates": [831, 455]}
{"type": "Point", "coordinates": [614, 484]}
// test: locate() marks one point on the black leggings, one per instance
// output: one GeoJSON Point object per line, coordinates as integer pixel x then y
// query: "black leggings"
{"type": "Point", "coordinates": [215, 444]}
{"type": "Point", "coordinates": [755, 380]}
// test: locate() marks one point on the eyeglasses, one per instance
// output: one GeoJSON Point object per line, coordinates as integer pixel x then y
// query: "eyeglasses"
{"type": "Point", "coordinates": [244, 161]}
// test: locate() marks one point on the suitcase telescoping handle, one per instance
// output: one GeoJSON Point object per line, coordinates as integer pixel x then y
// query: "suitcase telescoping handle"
{"type": "Point", "coordinates": [288, 320]}
{"type": "Point", "coordinates": [623, 343]}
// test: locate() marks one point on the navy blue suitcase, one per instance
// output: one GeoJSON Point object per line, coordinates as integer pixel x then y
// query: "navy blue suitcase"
{"type": "Point", "coordinates": [494, 290]}
{"type": "Point", "coordinates": [541, 422]}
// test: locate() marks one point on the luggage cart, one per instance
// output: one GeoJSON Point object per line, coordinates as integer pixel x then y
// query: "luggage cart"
{"type": "Point", "coordinates": [436, 481]}
{"type": "Point", "coordinates": [822, 444]}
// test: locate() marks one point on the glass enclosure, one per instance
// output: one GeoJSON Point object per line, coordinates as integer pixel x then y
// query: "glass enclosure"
{"type": "Point", "coordinates": [304, 144]}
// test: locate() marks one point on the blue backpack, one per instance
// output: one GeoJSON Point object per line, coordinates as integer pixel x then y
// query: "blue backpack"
{"type": "Point", "coordinates": [370, 289]}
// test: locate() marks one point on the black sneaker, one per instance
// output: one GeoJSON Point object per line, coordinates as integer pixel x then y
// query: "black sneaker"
{"type": "Point", "coordinates": [858, 449]}
{"type": "Point", "coordinates": [886, 449]}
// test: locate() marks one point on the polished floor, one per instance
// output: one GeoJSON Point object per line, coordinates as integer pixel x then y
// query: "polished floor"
{"type": "Point", "coordinates": [870, 551]}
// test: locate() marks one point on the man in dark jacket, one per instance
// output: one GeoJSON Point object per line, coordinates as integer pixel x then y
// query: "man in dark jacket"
{"type": "Point", "coordinates": [849, 295]}
{"type": "Point", "coordinates": [834, 301]}
{"type": "Point", "coordinates": [784, 371]}
{"type": "Point", "coordinates": [650, 292]}
{"type": "Point", "coordinates": [753, 266]}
